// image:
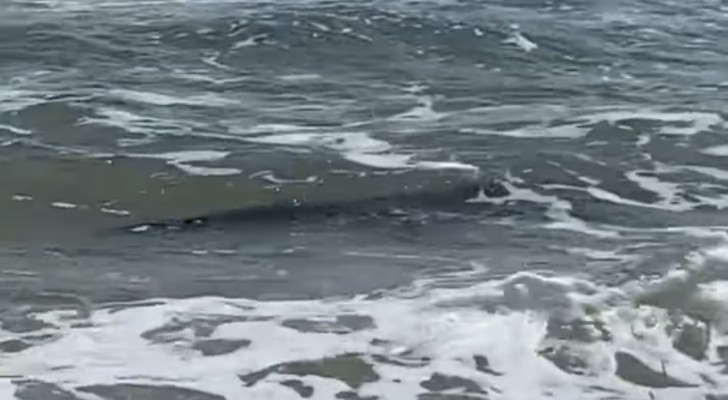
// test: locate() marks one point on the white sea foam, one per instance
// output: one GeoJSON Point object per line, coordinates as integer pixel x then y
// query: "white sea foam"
{"type": "Point", "coordinates": [15, 130]}
{"type": "Point", "coordinates": [341, 142]}
{"type": "Point", "coordinates": [671, 196]}
{"type": "Point", "coordinates": [537, 121]}
{"type": "Point", "coordinates": [270, 176]}
{"type": "Point", "coordinates": [423, 112]}
{"type": "Point", "coordinates": [602, 194]}
{"type": "Point", "coordinates": [360, 148]}
{"type": "Point", "coordinates": [251, 41]}
{"type": "Point", "coordinates": [197, 76]}
{"type": "Point", "coordinates": [720, 150]}
{"type": "Point", "coordinates": [716, 173]}
{"type": "Point", "coordinates": [695, 122]}
{"type": "Point", "coordinates": [599, 255]}
{"type": "Point", "coordinates": [16, 99]}
{"type": "Point", "coordinates": [140, 228]}
{"type": "Point", "coordinates": [299, 77]}
{"type": "Point", "coordinates": [21, 197]}
{"type": "Point", "coordinates": [271, 128]}
{"type": "Point", "coordinates": [206, 171]}
{"type": "Point", "coordinates": [149, 127]}
{"type": "Point", "coordinates": [188, 156]}
{"type": "Point", "coordinates": [668, 192]}
{"type": "Point", "coordinates": [184, 159]}
{"type": "Point", "coordinates": [115, 211]}
{"type": "Point", "coordinates": [62, 204]}
{"type": "Point", "coordinates": [130, 122]}
{"type": "Point", "coordinates": [518, 39]}
{"type": "Point", "coordinates": [212, 60]}
{"type": "Point", "coordinates": [160, 99]}
{"type": "Point", "coordinates": [517, 323]}
{"type": "Point", "coordinates": [558, 210]}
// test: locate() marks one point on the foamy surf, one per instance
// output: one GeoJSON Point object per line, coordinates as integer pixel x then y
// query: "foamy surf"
{"type": "Point", "coordinates": [578, 124]}
{"type": "Point", "coordinates": [360, 148]}
{"type": "Point", "coordinates": [528, 336]}
{"type": "Point", "coordinates": [605, 129]}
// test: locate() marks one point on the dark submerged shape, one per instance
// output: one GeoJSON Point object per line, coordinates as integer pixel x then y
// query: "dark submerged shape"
{"type": "Point", "coordinates": [452, 196]}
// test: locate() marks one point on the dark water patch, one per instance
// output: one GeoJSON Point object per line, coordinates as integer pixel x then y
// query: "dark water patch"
{"type": "Point", "coordinates": [566, 359]}
{"type": "Point", "coordinates": [693, 338]}
{"type": "Point", "coordinates": [65, 46]}
{"type": "Point", "coordinates": [14, 346]}
{"type": "Point", "coordinates": [357, 34]}
{"type": "Point", "coordinates": [201, 327]}
{"type": "Point", "coordinates": [350, 395]}
{"type": "Point", "coordinates": [39, 390]}
{"type": "Point", "coordinates": [303, 390]}
{"type": "Point", "coordinates": [341, 324]}
{"type": "Point", "coordinates": [439, 382]}
{"type": "Point", "coordinates": [218, 347]}
{"type": "Point", "coordinates": [19, 323]}
{"type": "Point", "coordinates": [449, 196]}
{"type": "Point", "coordinates": [348, 368]}
{"type": "Point", "coordinates": [632, 369]}
{"type": "Point", "coordinates": [482, 364]}
{"type": "Point", "coordinates": [147, 392]}
{"type": "Point", "coordinates": [586, 208]}
{"type": "Point", "coordinates": [253, 378]}
{"type": "Point", "coordinates": [446, 396]}
{"type": "Point", "coordinates": [63, 208]}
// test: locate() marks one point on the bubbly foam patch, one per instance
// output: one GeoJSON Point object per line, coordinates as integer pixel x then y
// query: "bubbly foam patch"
{"type": "Point", "coordinates": [575, 124]}
{"type": "Point", "coordinates": [523, 337]}
{"type": "Point", "coordinates": [360, 148]}
{"type": "Point", "coordinates": [558, 210]}
{"type": "Point", "coordinates": [423, 112]}
{"type": "Point", "coordinates": [160, 99]}
{"type": "Point", "coordinates": [12, 99]}
{"type": "Point", "coordinates": [518, 39]}
{"type": "Point", "coordinates": [15, 130]}
{"type": "Point", "coordinates": [674, 196]}
{"type": "Point", "coordinates": [675, 123]}
{"type": "Point", "coordinates": [721, 150]}
{"type": "Point", "coordinates": [184, 160]}
{"type": "Point", "coordinates": [147, 129]}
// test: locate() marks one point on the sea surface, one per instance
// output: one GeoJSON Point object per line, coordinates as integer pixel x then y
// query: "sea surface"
{"type": "Point", "coordinates": [363, 199]}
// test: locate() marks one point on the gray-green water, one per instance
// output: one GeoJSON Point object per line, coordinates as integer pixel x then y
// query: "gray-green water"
{"type": "Point", "coordinates": [329, 143]}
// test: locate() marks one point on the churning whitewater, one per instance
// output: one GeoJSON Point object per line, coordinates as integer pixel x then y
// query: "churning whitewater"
{"type": "Point", "coordinates": [363, 199]}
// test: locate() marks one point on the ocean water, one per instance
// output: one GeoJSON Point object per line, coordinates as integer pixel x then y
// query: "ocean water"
{"type": "Point", "coordinates": [363, 199]}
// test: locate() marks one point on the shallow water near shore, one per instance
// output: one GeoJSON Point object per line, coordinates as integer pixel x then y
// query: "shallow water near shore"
{"type": "Point", "coordinates": [218, 199]}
